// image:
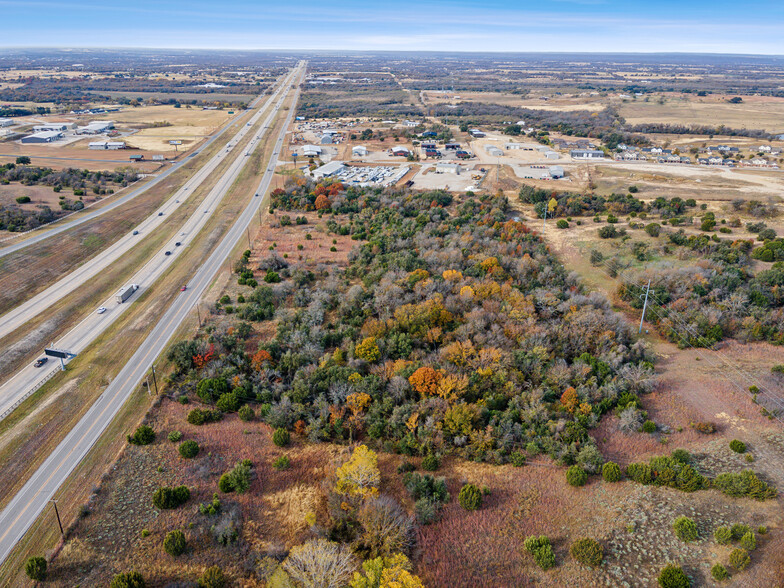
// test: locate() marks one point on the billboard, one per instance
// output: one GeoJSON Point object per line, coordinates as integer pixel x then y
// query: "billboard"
{"type": "Point", "coordinates": [175, 142]}
{"type": "Point", "coordinates": [61, 353]}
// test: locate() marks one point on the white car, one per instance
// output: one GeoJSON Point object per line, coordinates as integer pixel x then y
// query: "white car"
{"type": "Point", "coordinates": [102, 310]}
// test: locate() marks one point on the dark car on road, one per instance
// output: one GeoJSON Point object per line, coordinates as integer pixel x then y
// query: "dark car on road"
{"type": "Point", "coordinates": [40, 361]}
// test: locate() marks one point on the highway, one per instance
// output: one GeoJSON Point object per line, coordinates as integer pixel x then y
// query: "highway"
{"type": "Point", "coordinates": [25, 507]}
{"type": "Point", "coordinates": [59, 226]}
{"type": "Point", "coordinates": [15, 318]}
{"type": "Point", "coordinates": [24, 382]}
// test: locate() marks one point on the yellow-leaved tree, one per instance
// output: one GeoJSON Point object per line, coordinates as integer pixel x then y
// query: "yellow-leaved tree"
{"type": "Point", "coordinates": [386, 572]}
{"type": "Point", "coordinates": [360, 476]}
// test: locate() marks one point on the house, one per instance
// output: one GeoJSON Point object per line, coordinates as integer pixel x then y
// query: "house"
{"type": "Point", "coordinates": [759, 162]}
{"type": "Point", "coordinates": [400, 151]}
{"type": "Point", "coordinates": [493, 151]}
{"type": "Point", "coordinates": [586, 154]}
{"type": "Point", "coordinates": [448, 168]}
{"type": "Point", "coordinates": [42, 137]}
{"type": "Point", "coordinates": [703, 161]}
{"type": "Point", "coordinates": [328, 169]}
{"type": "Point", "coordinates": [359, 151]}
{"type": "Point", "coordinates": [556, 172]}
{"type": "Point", "coordinates": [406, 123]}
{"type": "Point", "coordinates": [761, 148]}
{"type": "Point", "coordinates": [715, 160]}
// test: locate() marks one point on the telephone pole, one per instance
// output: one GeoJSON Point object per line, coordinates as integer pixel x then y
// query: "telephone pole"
{"type": "Point", "coordinates": [154, 381]}
{"type": "Point", "coordinates": [59, 523]}
{"type": "Point", "coordinates": [644, 304]}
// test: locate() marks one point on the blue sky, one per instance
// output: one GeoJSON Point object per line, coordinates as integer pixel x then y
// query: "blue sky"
{"type": "Point", "coordinates": [705, 26]}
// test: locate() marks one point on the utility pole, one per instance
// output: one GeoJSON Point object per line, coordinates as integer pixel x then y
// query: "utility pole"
{"type": "Point", "coordinates": [645, 304]}
{"type": "Point", "coordinates": [154, 380]}
{"type": "Point", "coordinates": [59, 523]}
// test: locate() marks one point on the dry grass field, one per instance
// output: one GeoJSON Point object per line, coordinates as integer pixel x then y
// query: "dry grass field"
{"type": "Point", "coordinates": [755, 112]}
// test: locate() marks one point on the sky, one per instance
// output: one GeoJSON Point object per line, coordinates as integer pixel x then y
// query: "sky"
{"type": "Point", "coordinates": [651, 26]}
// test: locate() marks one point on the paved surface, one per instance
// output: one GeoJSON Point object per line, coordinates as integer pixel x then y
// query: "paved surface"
{"type": "Point", "coordinates": [15, 318]}
{"type": "Point", "coordinates": [25, 507]}
{"type": "Point", "coordinates": [58, 227]}
{"type": "Point", "coordinates": [17, 388]}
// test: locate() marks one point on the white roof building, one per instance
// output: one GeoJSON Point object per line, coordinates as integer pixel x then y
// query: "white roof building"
{"type": "Point", "coordinates": [400, 150]}
{"type": "Point", "coordinates": [106, 145]}
{"type": "Point", "coordinates": [6, 122]}
{"type": "Point", "coordinates": [311, 150]}
{"type": "Point", "coordinates": [551, 155]}
{"type": "Point", "coordinates": [95, 127]}
{"type": "Point", "coordinates": [359, 151]}
{"type": "Point", "coordinates": [556, 171]}
{"type": "Point", "coordinates": [328, 169]}
{"type": "Point", "coordinates": [42, 137]}
{"type": "Point", "coordinates": [493, 150]}
{"type": "Point", "coordinates": [53, 126]}
{"type": "Point", "coordinates": [448, 168]}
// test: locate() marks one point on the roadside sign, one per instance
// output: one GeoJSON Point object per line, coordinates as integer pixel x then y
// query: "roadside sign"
{"type": "Point", "coordinates": [175, 142]}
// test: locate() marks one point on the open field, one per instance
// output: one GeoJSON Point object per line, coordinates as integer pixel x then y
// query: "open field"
{"type": "Point", "coordinates": [755, 112]}
{"type": "Point", "coordinates": [200, 96]}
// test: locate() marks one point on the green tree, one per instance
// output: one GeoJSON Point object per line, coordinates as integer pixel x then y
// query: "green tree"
{"type": "Point", "coordinates": [213, 578]}
{"type": "Point", "coordinates": [35, 567]}
{"type": "Point", "coordinates": [128, 580]}
{"type": "Point", "coordinates": [673, 576]}
{"type": "Point", "coordinates": [576, 476]}
{"type": "Point", "coordinates": [175, 543]}
{"type": "Point", "coordinates": [144, 435]}
{"type": "Point", "coordinates": [470, 497]}
{"type": "Point", "coordinates": [281, 437]}
{"type": "Point", "coordinates": [189, 449]}
{"type": "Point", "coordinates": [611, 472]}
{"type": "Point", "coordinates": [685, 529]}
{"type": "Point", "coordinates": [587, 551]}
{"type": "Point", "coordinates": [22, 160]}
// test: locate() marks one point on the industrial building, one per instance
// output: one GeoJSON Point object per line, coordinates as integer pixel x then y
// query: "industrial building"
{"type": "Point", "coordinates": [328, 169]}
{"type": "Point", "coordinates": [551, 155]}
{"type": "Point", "coordinates": [556, 172]}
{"type": "Point", "coordinates": [400, 151]}
{"type": "Point", "coordinates": [586, 154]}
{"type": "Point", "coordinates": [42, 137]}
{"type": "Point", "coordinates": [106, 145]}
{"type": "Point", "coordinates": [494, 151]}
{"type": "Point", "coordinates": [6, 122]}
{"type": "Point", "coordinates": [96, 127]}
{"type": "Point", "coordinates": [448, 168]}
{"type": "Point", "coordinates": [55, 126]}
{"type": "Point", "coordinates": [311, 150]}
{"type": "Point", "coordinates": [359, 151]}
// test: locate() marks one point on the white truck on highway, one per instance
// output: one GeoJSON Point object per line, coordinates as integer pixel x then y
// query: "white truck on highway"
{"type": "Point", "coordinates": [126, 292]}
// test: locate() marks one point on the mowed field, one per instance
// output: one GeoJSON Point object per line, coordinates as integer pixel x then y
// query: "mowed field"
{"type": "Point", "coordinates": [188, 125]}
{"type": "Point", "coordinates": [755, 112]}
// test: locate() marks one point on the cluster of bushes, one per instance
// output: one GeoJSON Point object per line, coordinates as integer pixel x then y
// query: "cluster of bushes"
{"type": "Point", "coordinates": [237, 479]}
{"type": "Point", "coordinates": [430, 494]}
{"type": "Point", "coordinates": [144, 435]}
{"type": "Point", "coordinates": [452, 330]}
{"type": "Point", "coordinates": [667, 471]}
{"type": "Point", "coordinates": [166, 498]}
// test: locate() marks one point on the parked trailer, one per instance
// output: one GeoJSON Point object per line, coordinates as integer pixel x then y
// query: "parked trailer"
{"type": "Point", "coordinates": [126, 292]}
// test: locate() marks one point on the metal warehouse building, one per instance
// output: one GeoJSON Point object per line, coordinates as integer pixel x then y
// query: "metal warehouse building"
{"type": "Point", "coordinates": [42, 137]}
{"type": "Point", "coordinates": [586, 154]}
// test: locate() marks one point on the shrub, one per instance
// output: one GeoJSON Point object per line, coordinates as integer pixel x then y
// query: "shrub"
{"type": "Point", "coordinates": [748, 541]}
{"type": "Point", "coordinates": [611, 472]}
{"type": "Point", "coordinates": [175, 436]}
{"type": "Point", "coordinates": [562, 224]}
{"type": "Point", "coordinates": [210, 508]}
{"type": "Point", "coordinates": [723, 535]}
{"type": "Point", "coordinates": [738, 530]}
{"type": "Point", "coordinates": [35, 568]}
{"type": "Point", "coordinates": [673, 576]}
{"type": "Point", "coordinates": [426, 510]}
{"type": "Point", "coordinates": [144, 435]}
{"type": "Point", "coordinates": [128, 580]}
{"type": "Point", "coordinates": [174, 543]}
{"type": "Point", "coordinates": [246, 413]}
{"type": "Point", "coordinates": [189, 449]}
{"type": "Point", "coordinates": [686, 529]}
{"type": "Point", "coordinates": [470, 497]}
{"type": "Point", "coordinates": [168, 498]}
{"type": "Point", "coordinates": [282, 463]}
{"type": "Point", "coordinates": [762, 530]}
{"type": "Point", "coordinates": [386, 528]}
{"type": "Point", "coordinates": [281, 437]}
{"type": "Point", "coordinates": [198, 416]}
{"type": "Point", "coordinates": [236, 480]}
{"type": "Point", "coordinates": [746, 483]}
{"type": "Point", "coordinates": [649, 427]}
{"type": "Point", "coordinates": [681, 455]}
{"type": "Point", "coordinates": [517, 459]}
{"type": "Point", "coordinates": [431, 462]}
{"type": "Point", "coordinates": [719, 572]}
{"type": "Point", "coordinates": [705, 428]}
{"type": "Point", "coordinates": [739, 559]}
{"type": "Point", "coordinates": [588, 552]}
{"type": "Point", "coordinates": [738, 446]}
{"type": "Point", "coordinates": [426, 487]}
{"type": "Point", "coordinates": [406, 466]}
{"type": "Point", "coordinates": [576, 476]}
{"type": "Point", "coordinates": [23, 199]}
{"type": "Point", "coordinates": [213, 578]}
{"type": "Point", "coordinates": [228, 402]}
{"type": "Point", "coordinates": [542, 551]}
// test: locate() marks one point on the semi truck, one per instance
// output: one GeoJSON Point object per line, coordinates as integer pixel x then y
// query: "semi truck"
{"type": "Point", "coordinates": [126, 292]}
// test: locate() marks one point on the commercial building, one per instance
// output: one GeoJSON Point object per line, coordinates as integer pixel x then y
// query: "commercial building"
{"type": "Point", "coordinates": [586, 154]}
{"type": "Point", "coordinates": [328, 169]}
{"type": "Point", "coordinates": [400, 151]}
{"type": "Point", "coordinates": [42, 137]}
{"type": "Point", "coordinates": [551, 155]}
{"type": "Point", "coordinates": [6, 122]}
{"type": "Point", "coordinates": [494, 151]}
{"type": "Point", "coordinates": [448, 168]}
{"type": "Point", "coordinates": [359, 151]}
{"type": "Point", "coordinates": [556, 172]}
{"type": "Point", "coordinates": [112, 145]}
{"type": "Point", "coordinates": [55, 126]}
{"type": "Point", "coordinates": [311, 150]}
{"type": "Point", "coordinates": [96, 127]}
